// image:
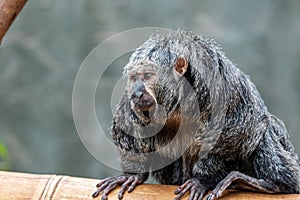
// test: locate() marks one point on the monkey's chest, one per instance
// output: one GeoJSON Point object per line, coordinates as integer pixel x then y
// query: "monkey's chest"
{"type": "Point", "coordinates": [173, 143]}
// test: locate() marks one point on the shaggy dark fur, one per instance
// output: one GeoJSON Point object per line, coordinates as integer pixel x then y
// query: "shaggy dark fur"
{"type": "Point", "coordinates": [227, 136]}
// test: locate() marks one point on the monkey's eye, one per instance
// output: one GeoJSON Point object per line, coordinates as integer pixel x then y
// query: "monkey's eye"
{"type": "Point", "coordinates": [133, 78]}
{"type": "Point", "coordinates": [147, 76]}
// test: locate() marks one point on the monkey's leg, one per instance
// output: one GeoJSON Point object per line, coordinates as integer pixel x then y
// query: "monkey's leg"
{"type": "Point", "coordinates": [242, 181]}
{"type": "Point", "coordinates": [197, 190]}
{"type": "Point", "coordinates": [127, 182]}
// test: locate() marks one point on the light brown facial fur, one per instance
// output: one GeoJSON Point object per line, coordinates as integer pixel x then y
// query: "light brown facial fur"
{"type": "Point", "coordinates": [142, 80]}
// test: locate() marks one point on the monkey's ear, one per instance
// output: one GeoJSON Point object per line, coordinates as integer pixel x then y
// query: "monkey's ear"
{"type": "Point", "coordinates": [181, 66]}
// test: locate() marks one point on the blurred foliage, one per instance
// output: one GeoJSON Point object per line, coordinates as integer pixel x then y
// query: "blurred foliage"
{"type": "Point", "coordinates": [43, 50]}
{"type": "Point", "coordinates": [4, 160]}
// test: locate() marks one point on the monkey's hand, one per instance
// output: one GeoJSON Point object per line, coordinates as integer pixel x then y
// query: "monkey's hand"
{"type": "Point", "coordinates": [127, 182]}
{"type": "Point", "coordinates": [197, 190]}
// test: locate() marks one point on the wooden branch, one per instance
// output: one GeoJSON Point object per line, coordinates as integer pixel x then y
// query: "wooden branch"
{"type": "Point", "coordinates": [15, 186]}
{"type": "Point", "coordinates": [9, 9]}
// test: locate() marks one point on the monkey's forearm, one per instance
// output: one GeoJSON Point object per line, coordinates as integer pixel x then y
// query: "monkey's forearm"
{"type": "Point", "coordinates": [134, 163]}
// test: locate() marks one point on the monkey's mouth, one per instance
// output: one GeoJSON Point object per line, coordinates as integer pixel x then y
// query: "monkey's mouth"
{"type": "Point", "coordinates": [144, 106]}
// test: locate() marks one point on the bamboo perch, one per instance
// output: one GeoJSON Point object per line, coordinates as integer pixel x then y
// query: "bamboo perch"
{"type": "Point", "coordinates": [15, 186]}
{"type": "Point", "coordinates": [9, 9]}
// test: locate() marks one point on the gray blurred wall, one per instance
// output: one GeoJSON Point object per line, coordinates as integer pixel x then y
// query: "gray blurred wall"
{"type": "Point", "coordinates": [44, 48]}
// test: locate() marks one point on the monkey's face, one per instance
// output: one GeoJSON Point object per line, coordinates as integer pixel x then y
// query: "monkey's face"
{"type": "Point", "coordinates": [142, 80]}
{"type": "Point", "coordinates": [146, 88]}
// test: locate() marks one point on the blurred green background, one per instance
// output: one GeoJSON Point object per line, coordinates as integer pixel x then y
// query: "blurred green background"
{"type": "Point", "coordinates": [44, 48]}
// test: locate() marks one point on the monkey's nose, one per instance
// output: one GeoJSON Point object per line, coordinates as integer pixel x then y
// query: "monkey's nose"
{"type": "Point", "coordinates": [137, 94]}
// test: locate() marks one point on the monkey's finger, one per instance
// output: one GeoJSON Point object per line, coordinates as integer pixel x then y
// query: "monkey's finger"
{"type": "Point", "coordinates": [124, 187]}
{"type": "Point", "coordinates": [199, 192]}
{"type": "Point", "coordinates": [195, 194]}
{"type": "Point", "coordinates": [180, 188]}
{"type": "Point", "coordinates": [182, 192]}
{"type": "Point", "coordinates": [103, 181]}
{"type": "Point", "coordinates": [95, 194]}
{"type": "Point", "coordinates": [104, 197]}
{"type": "Point", "coordinates": [121, 193]}
{"type": "Point", "coordinates": [100, 189]}
{"type": "Point", "coordinates": [108, 189]}
{"type": "Point", "coordinates": [133, 185]}
{"type": "Point", "coordinates": [105, 185]}
{"type": "Point", "coordinates": [200, 195]}
{"type": "Point", "coordinates": [211, 197]}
